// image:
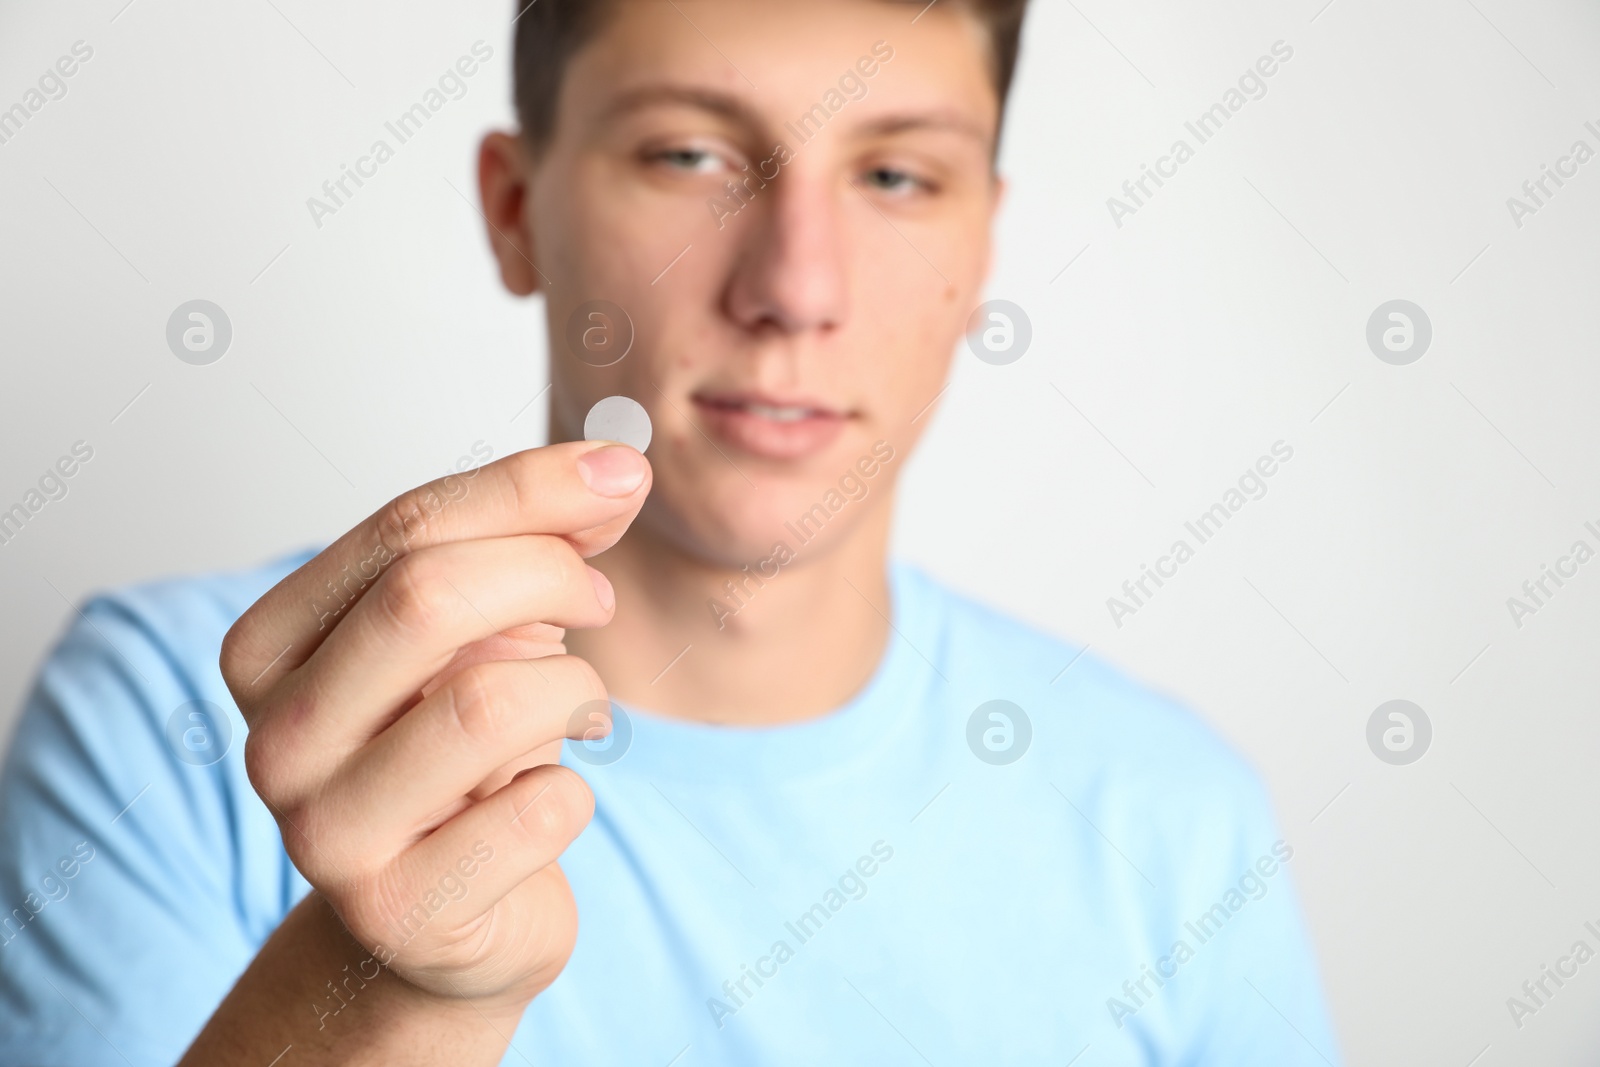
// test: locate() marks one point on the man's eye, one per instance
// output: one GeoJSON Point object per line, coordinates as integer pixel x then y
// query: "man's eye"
{"type": "Point", "coordinates": [890, 180]}
{"type": "Point", "coordinates": [690, 160]}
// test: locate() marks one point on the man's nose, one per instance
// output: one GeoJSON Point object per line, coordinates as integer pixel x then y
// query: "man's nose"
{"type": "Point", "coordinates": [791, 273]}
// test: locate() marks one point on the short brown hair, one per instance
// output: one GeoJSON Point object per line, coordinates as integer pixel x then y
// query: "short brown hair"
{"type": "Point", "coordinates": [550, 32]}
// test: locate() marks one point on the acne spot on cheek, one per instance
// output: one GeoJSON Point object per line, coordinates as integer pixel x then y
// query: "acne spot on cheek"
{"type": "Point", "coordinates": [950, 294]}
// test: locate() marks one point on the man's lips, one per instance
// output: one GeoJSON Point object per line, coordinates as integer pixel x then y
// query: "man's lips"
{"type": "Point", "coordinates": [773, 427]}
{"type": "Point", "coordinates": [768, 406]}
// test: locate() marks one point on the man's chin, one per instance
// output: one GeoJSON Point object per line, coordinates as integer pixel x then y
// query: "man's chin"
{"type": "Point", "coordinates": [745, 528]}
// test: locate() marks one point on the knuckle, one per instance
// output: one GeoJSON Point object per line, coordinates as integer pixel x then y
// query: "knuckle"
{"type": "Point", "coordinates": [228, 660]}
{"type": "Point", "coordinates": [274, 756]}
{"type": "Point", "coordinates": [563, 560]}
{"type": "Point", "coordinates": [561, 575]}
{"type": "Point", "coordinates": [238, 659]}
{"type": "Point", "coordinates": [404, 519]}
{"type": "Point", "coordinates": [478, 704]}
{"type": "Point", "coordinates": [298, 826]}
{"type": "Point", "coordinates": [331, 848]}
{"type": "Point", "coordinates": [559, 812]}
{"type": "Point", "coordinates": [573, 684]}
{"type": "Point", "coordinates": [521, 481]}
{"type": "Point", "coordinates": [305, 835]}
{"type": "Point", "coordinates": [409, 595]}
{"type": "Point", "coordinates": [530, 476]}
{"type": "Point", "coordinates": [262, 764]}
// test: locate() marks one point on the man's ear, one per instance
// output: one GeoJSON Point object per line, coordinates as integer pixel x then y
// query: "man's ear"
{"type": "Point", "coordinates": [504, 171]}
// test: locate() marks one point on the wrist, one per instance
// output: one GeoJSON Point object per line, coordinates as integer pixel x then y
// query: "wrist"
{"type": "Point", "coordinates": [362, 970]}
{"type": "Point", "coordinates": [316, 988]}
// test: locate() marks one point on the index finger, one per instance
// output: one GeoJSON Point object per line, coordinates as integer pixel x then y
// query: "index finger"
{"type": "Point", "coordinates": [585, 491]}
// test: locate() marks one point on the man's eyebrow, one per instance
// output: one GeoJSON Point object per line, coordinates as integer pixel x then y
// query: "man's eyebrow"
{"type": "Point", "coordinates": [668, 94]}
{"type": "Point", "coordinates": [948, 121]}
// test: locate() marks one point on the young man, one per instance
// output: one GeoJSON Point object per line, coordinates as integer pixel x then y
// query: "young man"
{"type": "Point", "coordinates": [842, 815]}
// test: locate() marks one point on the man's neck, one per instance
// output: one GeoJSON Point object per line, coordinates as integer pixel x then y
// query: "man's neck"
{"type": "Point", "coordinates": [783, 643]}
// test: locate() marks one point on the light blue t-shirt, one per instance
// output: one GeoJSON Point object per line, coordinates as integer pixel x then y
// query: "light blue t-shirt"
{"type": "Point", "coordinates": [1084, 874]}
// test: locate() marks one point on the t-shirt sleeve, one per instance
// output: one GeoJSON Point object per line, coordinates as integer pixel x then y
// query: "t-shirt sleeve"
{"type": "Point", "coordinates": [138, 873]}
{"type": "Point", "coordinates": [1256, 998]}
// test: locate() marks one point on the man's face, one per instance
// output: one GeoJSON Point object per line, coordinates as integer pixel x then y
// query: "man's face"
{"type": "Point", "coordinates": [785, 323]}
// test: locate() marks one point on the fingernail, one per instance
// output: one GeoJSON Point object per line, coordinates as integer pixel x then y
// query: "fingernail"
{"type": "Point", "coordinates": [602, 589]}
{"type": "Point", "coordinates": [615, 470]}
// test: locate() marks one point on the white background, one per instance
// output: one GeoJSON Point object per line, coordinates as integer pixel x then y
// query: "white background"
{"type": "Point", "coordinates": [1227, 314]}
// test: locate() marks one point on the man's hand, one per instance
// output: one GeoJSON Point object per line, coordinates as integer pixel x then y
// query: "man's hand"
{"type": "Point", "coordinates": [407, 692]}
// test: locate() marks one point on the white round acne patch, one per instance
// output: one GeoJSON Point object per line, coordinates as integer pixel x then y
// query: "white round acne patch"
{"type": "Point", "coordinates": [618, 418]}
